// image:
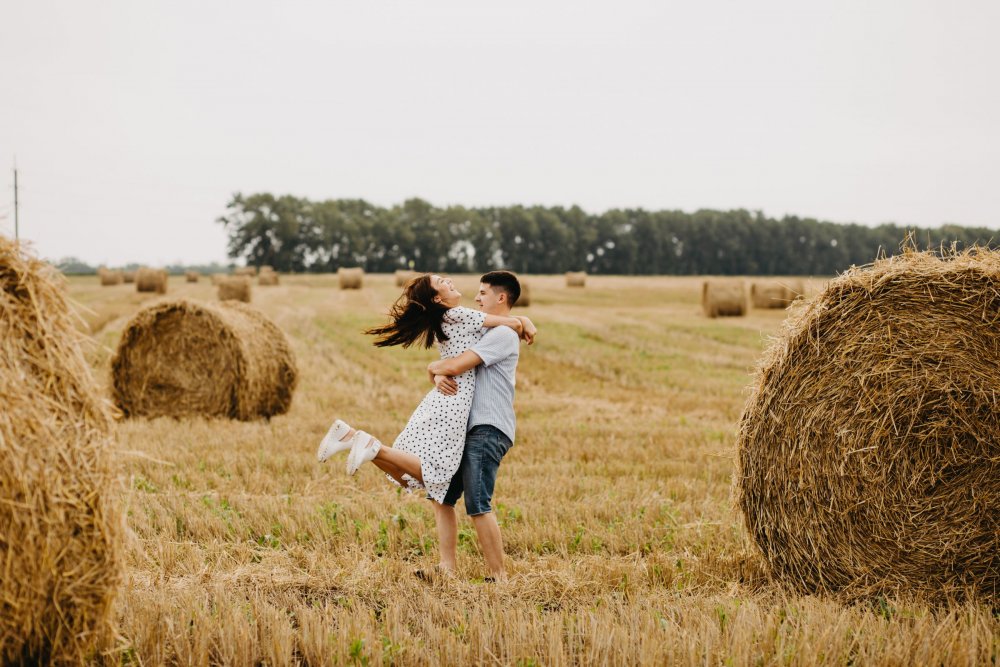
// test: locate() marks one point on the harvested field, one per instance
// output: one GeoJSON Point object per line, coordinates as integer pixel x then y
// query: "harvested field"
{"type": "Point", "coordinates": [869, 452]}
{"type": "Point", "coordinates": [622, 537]}
{"type": "Point", "coordinates": [60, 521]}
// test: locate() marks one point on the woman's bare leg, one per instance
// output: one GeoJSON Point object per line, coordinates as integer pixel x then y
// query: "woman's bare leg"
{"type": "Point", "coordinates": [393, 461]}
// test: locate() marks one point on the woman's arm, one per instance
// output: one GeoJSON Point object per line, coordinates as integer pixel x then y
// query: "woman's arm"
{"type": "Point", "coordinates": [504, 321]}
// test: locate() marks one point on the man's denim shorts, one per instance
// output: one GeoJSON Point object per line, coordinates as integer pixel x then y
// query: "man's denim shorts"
{"type": "Point", "coordinates": [485, 445]}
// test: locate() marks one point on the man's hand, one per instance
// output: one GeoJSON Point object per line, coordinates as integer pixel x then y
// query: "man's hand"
{"type": "Point", "coordinates": [446, 385]}
{"type": "Point", "coordinates": [528, 329]}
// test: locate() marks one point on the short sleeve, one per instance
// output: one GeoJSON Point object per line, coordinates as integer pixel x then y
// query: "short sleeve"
{"type": "Point", "coordinates": [496, 345]}
{"type": "Point", "coordinates": [467, 319]}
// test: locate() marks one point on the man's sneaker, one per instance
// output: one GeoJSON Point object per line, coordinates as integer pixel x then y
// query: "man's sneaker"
{"type": "Point", "coordinates": [333, 442]}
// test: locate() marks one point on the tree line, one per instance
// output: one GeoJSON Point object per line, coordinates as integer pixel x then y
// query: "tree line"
{"type": "Point", "coordinates": [294, 234]}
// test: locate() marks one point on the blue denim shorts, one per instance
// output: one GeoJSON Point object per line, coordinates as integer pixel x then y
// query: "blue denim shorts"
{"type": "Point", "coordinates": [485, 446]}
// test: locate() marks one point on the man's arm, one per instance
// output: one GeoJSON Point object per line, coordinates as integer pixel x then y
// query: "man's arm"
{"type": "Point", "coordinates": [455, 365]}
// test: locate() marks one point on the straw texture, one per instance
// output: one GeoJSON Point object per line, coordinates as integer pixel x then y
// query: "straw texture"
{"type": "Point", "coordinates": [350, 278]}
{"type": "Point", "coordinates": [869, 450]}
{"type": "Point", "coordinates": [60, 524]}
{"type": "Point", "coordinates": [775, 293]}
{"type": "Point", "coordinates": [186, 357]}
{"type": "Point", "coordinates": [724, 298]}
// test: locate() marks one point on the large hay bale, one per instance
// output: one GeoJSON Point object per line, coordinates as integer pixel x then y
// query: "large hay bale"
{"type": "Point", "coordinates": [525, 298]}
{"type": "Point", "coordinates": [775, 293]}
{"type": "Point", "coordinates": [723, 297]}
{"type": "Point", "coordinates": [267, 278]}
{"type": "Point", "coordinates": [192, 276]}
{"type": "Point", "coordinates": [151, 280]}
{"type": "Point", "coordinates": [234, 288]}
{"type": "Point", "coordinates": [404, 276]}
{"type": "Point", "coordinates": [576, 279]}
{"type": "Point", "coordinates": [109, 277]}
{"type": "Point", "coordinates": [60, 523]}
{"type": "Point", "coordinates": [250, 271]}
{"type": "Point", "coordinates": [185, 357]}
{"type": "Point", "coordinates": [350, 278]}
{"type": "Point", "coordinates": [869, 450]}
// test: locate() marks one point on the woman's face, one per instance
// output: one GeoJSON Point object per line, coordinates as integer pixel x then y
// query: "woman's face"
{"type": "Point", "coordinates": [447, 295]}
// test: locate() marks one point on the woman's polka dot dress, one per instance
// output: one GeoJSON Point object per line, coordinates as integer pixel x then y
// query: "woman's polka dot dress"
{"type": "Point", "coordinates": [436, 431]}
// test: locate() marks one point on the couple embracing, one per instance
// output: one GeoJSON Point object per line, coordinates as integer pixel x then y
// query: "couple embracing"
{"type": "Point", "coordinates": [456, 438]}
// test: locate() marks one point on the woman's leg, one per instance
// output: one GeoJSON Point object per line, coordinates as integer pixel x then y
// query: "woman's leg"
{"type": "Point", "coordinates": [390, 470]}
{"type": "Point", "coordinates": [393, 461]}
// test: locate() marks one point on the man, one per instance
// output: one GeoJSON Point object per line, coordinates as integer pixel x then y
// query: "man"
{"type": "Point", "coordinates": [490, 432]}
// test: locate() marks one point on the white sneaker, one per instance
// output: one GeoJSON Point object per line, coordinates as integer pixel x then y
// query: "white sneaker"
{"type": "Point", "coordinates": [361, 452]}
{"type": "Point", "coordinates": [333, 441]}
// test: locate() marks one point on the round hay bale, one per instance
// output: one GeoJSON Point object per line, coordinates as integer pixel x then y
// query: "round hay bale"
{"type": "Point", "coordinates": [350, 278]}
{"type": "Point", "coordinates": [267, 278]}
{"type": "Point", "coordinates": [128, 277]}
{"type": "Point", "coordinates": [404, 276]}
{"type": "Point", "coordinates": [191, 276]}
{"type": "Point", "coordinates": [180, 358]}
{"type": "Point", "coordinates": [525, 298]}
{"type": "Point", "coordinates": [266, 269]}
{"type": "Point", "coordinates": [775, 293]}
{"type": "Point", "coordinates": [151, 280]}
{"type": "Point", "coordinates": [576, 279]}
{"type": "Point", "coordinates": [724, 298]}
{"type": "Point", "coordinates": [250, 271]}
{"type": "Point", "coordinates": [110, 277]}
{"type": "Point", "coordinates": [60, 521]}
{"type": "Point", "coordinates": [234, 288]}
{"type": "Point", "coordinates": [869, 450]}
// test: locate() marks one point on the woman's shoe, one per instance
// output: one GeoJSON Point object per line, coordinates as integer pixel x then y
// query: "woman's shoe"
{"type": "Point", "coordinates": [364, 449]}
{"type": "Point", "coordinates": [333, 442]}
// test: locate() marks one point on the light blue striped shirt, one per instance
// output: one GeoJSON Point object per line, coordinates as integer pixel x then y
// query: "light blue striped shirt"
{"type": "Point", "coordinates": [493, 400]}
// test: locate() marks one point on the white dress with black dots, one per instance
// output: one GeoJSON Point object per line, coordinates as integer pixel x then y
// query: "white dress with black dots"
{"type": "Point", "coordinates": [435, 433]}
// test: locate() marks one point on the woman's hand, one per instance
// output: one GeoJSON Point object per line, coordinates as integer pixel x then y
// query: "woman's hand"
{"type": "Point", "coordinates": [528, 329]}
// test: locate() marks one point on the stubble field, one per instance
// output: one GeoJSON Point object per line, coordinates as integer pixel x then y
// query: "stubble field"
{"type": "Point", "coordinates": [615, 504]}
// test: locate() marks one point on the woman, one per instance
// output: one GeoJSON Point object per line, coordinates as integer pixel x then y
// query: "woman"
{"type": "Point", "coordinates": [429, 450]}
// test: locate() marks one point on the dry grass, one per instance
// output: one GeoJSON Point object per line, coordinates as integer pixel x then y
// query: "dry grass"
{"type": "Point", "coordinates": [615, 502]}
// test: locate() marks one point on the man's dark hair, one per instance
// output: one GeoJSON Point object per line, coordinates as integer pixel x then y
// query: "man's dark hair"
{"type": "Point", "coordinates": [506, 281]}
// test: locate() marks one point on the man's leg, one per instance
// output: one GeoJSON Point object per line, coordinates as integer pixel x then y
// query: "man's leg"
{"type": "Point", "coordinates": [490, 541]}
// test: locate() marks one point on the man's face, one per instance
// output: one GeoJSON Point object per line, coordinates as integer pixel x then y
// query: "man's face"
{"type": "Point", "coordinates": [489, 298]}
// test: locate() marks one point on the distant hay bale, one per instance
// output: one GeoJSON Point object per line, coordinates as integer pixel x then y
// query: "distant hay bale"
{"type": "Point", "coordinates": [868, 450]}
{"type": "Point", "coordinates": [128, 277]}
{"type": "Point", "coordinates": [110, 277]}
{"type": "Point", "coordinates": [525, 298]}
{"type": "Point", "coordinates": [234, 288]}
{"type": "Point", "coordinates": [267, 278]}
{"type": "Point", "coordinates": [403, 276]}
{"type": "Point", "coordinates": [151, 280]}
{"type": "Point", "coordinates": [350, 278]}
{"type": "Point", "coordinates": [183, 357]}
{"type": "Point", "coordinates": [192, 276]}
{"type": "Point", "coordinates": [218, 278]}
{"type": "Point", "coordinates": [778, 293]}
{"type": "Point", "coordinates": [724, 298]}
{"type": "Point", "coordinates": [576, 279]}
{"type": "Point", "coordinates": [60, 522]}
{"type": "Point", "coordinates": [245, 271]}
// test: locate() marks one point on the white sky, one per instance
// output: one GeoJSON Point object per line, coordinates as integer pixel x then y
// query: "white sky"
{"type": "Point", "coordinates": [134, 121]}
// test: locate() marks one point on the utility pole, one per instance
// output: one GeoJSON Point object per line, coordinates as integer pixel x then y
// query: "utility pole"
{"type": "Point", "coordinates": [17, 230]}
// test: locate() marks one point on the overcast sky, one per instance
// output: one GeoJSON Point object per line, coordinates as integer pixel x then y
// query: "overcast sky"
{"type": "Point", "coordinates": [133, 122]}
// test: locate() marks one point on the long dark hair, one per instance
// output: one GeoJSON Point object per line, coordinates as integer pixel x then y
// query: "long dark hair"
{"type": "Point", "coordinates": [415, 315]}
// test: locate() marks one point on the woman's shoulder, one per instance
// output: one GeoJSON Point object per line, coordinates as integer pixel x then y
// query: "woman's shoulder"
{"type": "Point", "coordinates": [463, 314]}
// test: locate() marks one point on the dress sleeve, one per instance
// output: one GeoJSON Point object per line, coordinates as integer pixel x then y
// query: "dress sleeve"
{"type": "Point", "coordinates": [469, 320]}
